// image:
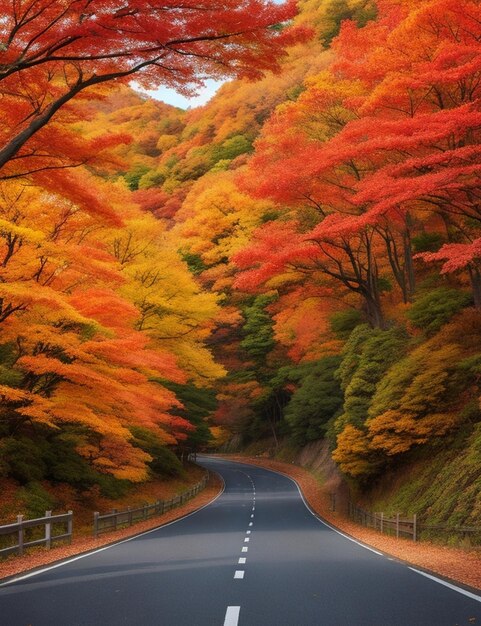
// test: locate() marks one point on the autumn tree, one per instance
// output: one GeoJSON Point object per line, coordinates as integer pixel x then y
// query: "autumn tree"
{"type": "Point", "coordinates": [56, 51]}
{"type": "Point", "coordinates": [173, 311]}
{"type": "Point", "coordinates": [383, 145]}
{"type": "Point", "coordinates": [420, 119]}
{"type": "Point", "coordinates": [327, 241]}
{"type": "Point", "coordinates": [73, 356]}
{"type": "Point", "coordinates": [421, 396]}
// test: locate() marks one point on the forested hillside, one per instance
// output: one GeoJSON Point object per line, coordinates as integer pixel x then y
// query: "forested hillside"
{"type": "Point", "coordinates": [298, 259]}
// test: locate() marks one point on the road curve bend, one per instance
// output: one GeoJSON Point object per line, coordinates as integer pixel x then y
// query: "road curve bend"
{"type": "Point", "coordinates": [255, 556]}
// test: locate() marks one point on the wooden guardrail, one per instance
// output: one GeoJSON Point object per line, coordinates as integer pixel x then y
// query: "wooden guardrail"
{"type": "Point", "coordinates": [471, 535]}
{"type": "Point", "coordinates": [19, 532]}
{"type": "Point", "coordinates": [106, 522]}
{"type": "Point", "coordinates": [396, 525]}
{"type": "Point", "coordinates": [23, 534]}
{"type": "Point", "coordinates": [410, 526]}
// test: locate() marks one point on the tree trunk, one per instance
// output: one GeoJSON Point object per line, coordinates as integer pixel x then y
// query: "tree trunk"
{"type": "Point", "coordinates": [272, 424]}
{"type": "Point", "coordinates": [371, 291]}
{"type": "Point", "coordinates": [475, 277]}
{"type": "Point", "coordinates": [408, 259]}
{"type": "Point", "coordinates": [374, 312]}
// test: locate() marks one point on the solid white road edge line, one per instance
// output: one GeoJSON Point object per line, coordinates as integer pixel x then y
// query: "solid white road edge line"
{"type": "Point", "coordinates": [465, 592]}
{"type": "Point", "coordinates": [363, 545]}
{"type": "Point", "coordinates": [232, 616]}
{"type": "Point", "coordinates": [112, 545]}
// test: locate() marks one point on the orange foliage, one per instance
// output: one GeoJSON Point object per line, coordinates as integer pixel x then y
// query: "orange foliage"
{"type": "Point", "coordinates": [353, 451]}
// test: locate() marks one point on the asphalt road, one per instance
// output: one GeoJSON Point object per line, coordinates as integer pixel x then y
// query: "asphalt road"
{"type": "Point", "coordinates": [255, 557]}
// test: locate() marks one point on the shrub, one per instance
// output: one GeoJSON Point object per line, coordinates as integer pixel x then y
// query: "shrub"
{"type": "Point", "coordinates": [432, 310]}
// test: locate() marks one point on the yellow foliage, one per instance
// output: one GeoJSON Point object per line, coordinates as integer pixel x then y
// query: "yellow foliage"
{"type": "Point", "coordinates": [217, 219]}
{"type": "Point", "coordinates": [353, 451]}
{"type": "Point", "coordinates": [165, 142]}
{"type": "Point", "coordinates": [395, 432]}
{"type": "Point", "coordinates": [174, 312]}
{"type": "Point", "coordinates": [221, 435]}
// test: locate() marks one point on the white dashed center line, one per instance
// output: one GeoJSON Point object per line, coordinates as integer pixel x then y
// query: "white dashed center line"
{"type": "Point", "coordinates": [232, 613]}
{"type": "Point", "coordinates": [232, 616]}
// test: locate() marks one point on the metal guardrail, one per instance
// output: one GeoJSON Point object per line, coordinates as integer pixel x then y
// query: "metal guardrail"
{"type": "Point", "coordinates": [106, 522]}
{"type": "Point", "coordinates": [21, 527]}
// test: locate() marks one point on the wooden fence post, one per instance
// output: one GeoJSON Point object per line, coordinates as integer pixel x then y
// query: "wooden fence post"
{"type": "Point", "coordinates": [382, 522]}
{"type": "Point", "coordinates": [114, 511]}
{"type": "Point", "coordinates": [20, 534]}
{"type": "Point", "coordinates": [70, 526]}
{"type": "Point", "coordinates": [397, 525]}
{"type": "Point", "coordinates": [415, 527]}
{"type": "Point", "coordinates": [333, 501]}
{"type": "Point", "coordinates": [129, 516]}
{"type": "Point", "coordinates": [48, 530]}
{"type": "Point", "coordinates": [96, 524]}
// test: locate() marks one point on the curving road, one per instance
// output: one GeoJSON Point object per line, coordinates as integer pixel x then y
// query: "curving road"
{"type": "Point", "coordinates": [256, 556]}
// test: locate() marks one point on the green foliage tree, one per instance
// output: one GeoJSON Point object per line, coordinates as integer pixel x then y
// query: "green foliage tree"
{"type": "Point", "coordinates": [134, 175]}
{"type": "Point", "coordinates": [316, 401]}
{"type": "Point", "coordinates": [379, 350]}
{"type": "Point", "coordinates": [198, 404]}
{"type": "Point", "coordinates": [231, 148]}
{"type": "Point", "coordinates": [344, 322]}
{"type": "Point", "coordinates": [258, 329]}
{"type": "Point", "coordinates": [164, 462]}
{"type": "Point", "coordinates": [432, 310]}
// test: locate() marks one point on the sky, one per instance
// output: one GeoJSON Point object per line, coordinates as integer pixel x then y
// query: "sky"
{"type": "Point", "coordinates": [172, 97]}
